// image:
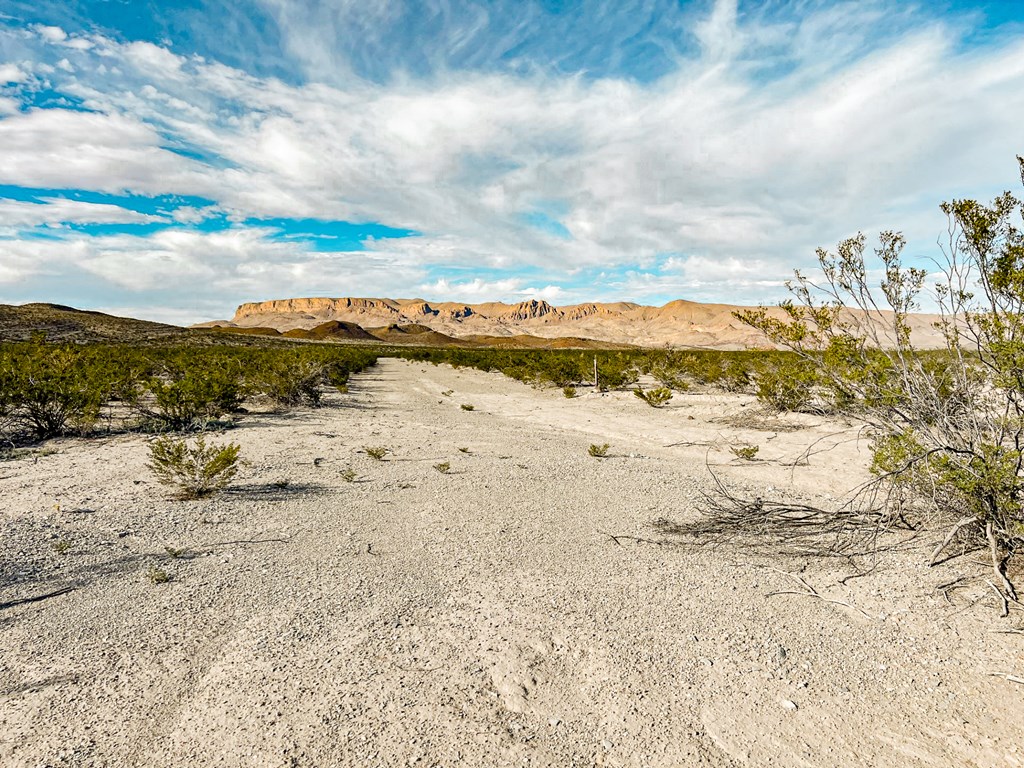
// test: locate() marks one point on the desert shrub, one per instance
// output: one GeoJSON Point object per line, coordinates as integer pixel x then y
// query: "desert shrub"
{"type": "Point", "coordinates": [735, 377]}
{"type": "Point", "coordinates": [197, 470]}
{"type": "Point", "coordinates": [947, 426]}
{"type": "Point", "coordinates": [53, 389]}
{"type": "Point", "coordinates": [348, 475]}
{"type": "Point", "coordinates": [654, 397]}
{"type": "Point", "coordinates": [598, 451]}
{"type": "Point", "coordinates": [194, 388]}
{"type": "Point", "coordinates": [291, 380]}
{"type": "Point", "coordinates": [157, 575]}
{"type": "Point", "coordinates": [467, 407]}
{"type": "Point", "coordinates": [786, 384]}
{"type": "Point", "coordinates": [443, 467]}
{"type": "Point", "coordinates": [745, 452]}
{"type": "Point", "coordinates": [569, 392]}
{"type": "Point", "coordinates": [376, 453]}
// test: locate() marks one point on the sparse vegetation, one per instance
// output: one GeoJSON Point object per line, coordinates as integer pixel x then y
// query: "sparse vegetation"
{"type": "Point", "coordinates": [157, 575]}
{"type": "Point", "coordinates": [376, 452]}
{"type": "Point", "coordinates": [62, 546]}
{"type": "Point", "coordinates": [654, 397]}
{"type": "Point", "coordinates": [348, 475]}
{"type": "Point", "coordinates": [947, 427]}
{"type": "Point", "coordinates": [197, 470]}
{"type": "Point", "coordinates": [745, 452]}
{"type": "Point", "coordinates": [463, 450]}
{"type": "Point", "coordinates": [569, 392]}
{"type": "Point", "coordinates": [467, 407]}
{"type": "Point", "coordinates": [599, 451]}
{"type": "Point", "coordinates": [443, 467]}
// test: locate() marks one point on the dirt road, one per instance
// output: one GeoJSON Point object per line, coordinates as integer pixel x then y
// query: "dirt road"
{"type": "Point", "coordinates": [482, 616]}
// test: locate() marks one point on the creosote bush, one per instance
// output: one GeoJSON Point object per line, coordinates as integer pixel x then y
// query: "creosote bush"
{"type": "Point", "coordinates": [654, 397]}
{"type": "Point", "coordinates": [443, 467]}
{"type": "Point", "coordinates": [598, 451]}
{"type": "Point", "coordinates": [376, 452]}
{"type": "Point", "coordinates": [569, 392]}
{"type": "Point", "coordinates": [947, 426]}
{"type": "Point", "coordinates": [197, 470]}
{"type": "Point", "coordinates": [467, 407]}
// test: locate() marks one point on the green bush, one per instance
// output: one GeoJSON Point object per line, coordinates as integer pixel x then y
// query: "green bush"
{"type": "Point", "coordinates": [947, 425]}
{"type": "Point", "coordinates": [786, 384]}
{"type": "Point", "coordinates": [291, 380]}
{"type": "Point", "coordinates": [53, 390]}
{"type": "Point", "coordinates": [194, 389]}
{"type": "Point", "coordinates": [654, 397]}
{"type": "Point", "coordinates": [197, 470]}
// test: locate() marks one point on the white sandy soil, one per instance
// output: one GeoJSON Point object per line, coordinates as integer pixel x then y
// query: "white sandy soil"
{"type": "Point", "coordinates": [481, 617]}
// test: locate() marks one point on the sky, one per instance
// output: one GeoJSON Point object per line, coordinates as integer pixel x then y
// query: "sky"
{"type": "Point", "coordinates": [170, 160]}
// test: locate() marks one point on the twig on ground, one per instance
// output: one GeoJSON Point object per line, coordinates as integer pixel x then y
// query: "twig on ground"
{"type": "Point", "coordinates": [949, 537]}
{"type": "Point", "coordinates": [809, 591]}
{"type": "Point", "coordinates": [283, 540]}
{"type": "Point", "coordinates": [945, 589]}
{"type": "Point", "coordinates": [1005, 605]}
{"type": "Point", "coordinates": [1007, 676]}
{"type": "Point", "coordinates": [638, 539]}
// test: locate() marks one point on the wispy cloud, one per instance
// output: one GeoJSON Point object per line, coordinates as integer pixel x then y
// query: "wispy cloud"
{"type": "Point", "coordinates": [750, 138]}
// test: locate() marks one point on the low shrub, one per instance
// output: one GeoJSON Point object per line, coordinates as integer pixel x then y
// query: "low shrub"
{"type": "Point", "coordinates": [745, 452]}
{"type": "Point", "coordinates": [376, 452]}
{"type": "Point", "coordinates": [196, 471]}
{"type": "Point", "coordinates": [654, 397]}
{"type": "Point", "coordinates": [599, 451]}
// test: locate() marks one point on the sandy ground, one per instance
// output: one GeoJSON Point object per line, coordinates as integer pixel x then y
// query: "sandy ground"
{"type": "Point", "coordinates": [480, 617]}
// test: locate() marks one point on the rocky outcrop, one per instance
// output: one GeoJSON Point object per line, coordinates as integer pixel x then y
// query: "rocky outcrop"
{"type": "Point", "coordinates": [679, 323]}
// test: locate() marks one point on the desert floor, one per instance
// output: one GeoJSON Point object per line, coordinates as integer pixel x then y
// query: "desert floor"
{"type": "Point", "coordinates": [482, 617]}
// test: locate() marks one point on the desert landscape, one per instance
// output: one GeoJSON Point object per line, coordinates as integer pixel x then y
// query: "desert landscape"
{"type": "Point", "coordinates": [511, 384]}
{"type": "Point", "coordinates": [486, 592]}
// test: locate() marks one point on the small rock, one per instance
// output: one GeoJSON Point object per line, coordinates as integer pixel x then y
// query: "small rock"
{"type": "Point", "coordinates": [606, 744]}
{"type": "Point", "coordinates": [787, 704]}
{"type": "Point", "coordinates": [553, 722]}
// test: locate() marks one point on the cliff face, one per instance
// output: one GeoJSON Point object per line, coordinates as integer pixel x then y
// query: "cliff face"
{"type": "Point", "coordinates": [678, 323]}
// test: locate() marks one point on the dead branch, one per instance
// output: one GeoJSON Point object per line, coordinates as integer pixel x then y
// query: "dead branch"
{"type": "Point", "coordinates": [283, 540]}
{"type": "Point", "coordinates": [638, 539]}
{"type": "Point", "coordinates": [999, 564]}
{"type": "Point", "coordinates": [809, 591]}
{"type": "Point", "coordinates": [1005, 609]}
{"type": "Point", "coordinates": [949, 537]}
{"type": "Point", "coordinates": [1008, 676]}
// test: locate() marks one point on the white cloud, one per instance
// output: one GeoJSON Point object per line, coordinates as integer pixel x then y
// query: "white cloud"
{"type": "Point", "coordinates": [479, 290]}
{"type": "Point", "coordinates": [740, 172]}
{"type": "Point", "coordinates": [52, 34]}
{"type": "Point", "coordinates": [61, 148]}
{"type": "Point", "coordinates": [11, 73]}
{"type": "Point", "coordinates": [57, 210]}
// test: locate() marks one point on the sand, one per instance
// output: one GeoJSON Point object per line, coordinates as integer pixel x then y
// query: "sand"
{"type": "Point", "coordinates": [481, 617]}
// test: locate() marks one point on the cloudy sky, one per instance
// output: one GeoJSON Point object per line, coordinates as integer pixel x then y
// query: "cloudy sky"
{"type": "Point", "coordinates": [169, 160]}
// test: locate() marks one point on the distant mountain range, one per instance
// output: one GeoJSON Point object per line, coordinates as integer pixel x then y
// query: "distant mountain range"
{"type": "Point", "coordinates": [526, 325]}
{"type": "Point", "coordinates": [678, 324]}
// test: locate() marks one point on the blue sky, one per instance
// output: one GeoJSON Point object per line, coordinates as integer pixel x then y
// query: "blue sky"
{"type": "Point", "coordinates": [172, 159]}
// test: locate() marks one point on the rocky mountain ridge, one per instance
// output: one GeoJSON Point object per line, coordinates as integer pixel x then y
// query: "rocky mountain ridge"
{"type": "Point", "coordinates": [677, 323]}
